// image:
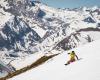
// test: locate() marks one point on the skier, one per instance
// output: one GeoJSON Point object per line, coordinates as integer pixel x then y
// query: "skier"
{"type": "Point", "coordinates": [73, 57]}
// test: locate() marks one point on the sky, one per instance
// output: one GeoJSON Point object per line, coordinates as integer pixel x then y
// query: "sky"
{"type": "Point", "coordinates": [71, 3]}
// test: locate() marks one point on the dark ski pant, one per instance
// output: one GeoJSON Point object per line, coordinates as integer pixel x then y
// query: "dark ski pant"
{"type": "Point", "coordinates": [70, 61]}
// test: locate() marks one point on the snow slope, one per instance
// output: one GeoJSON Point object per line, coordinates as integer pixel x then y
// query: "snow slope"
{"type": "Point", "coordinates": [85, 69]}
{"type": "Point", "coordinates": [25, 61]}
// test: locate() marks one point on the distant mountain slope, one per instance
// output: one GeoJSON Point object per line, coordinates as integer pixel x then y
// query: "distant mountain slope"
{"type": "Point", "coordinates": [38, 21]}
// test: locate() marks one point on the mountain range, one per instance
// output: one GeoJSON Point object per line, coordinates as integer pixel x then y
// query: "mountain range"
{"type": "Point", "coordinates": [28, 27]}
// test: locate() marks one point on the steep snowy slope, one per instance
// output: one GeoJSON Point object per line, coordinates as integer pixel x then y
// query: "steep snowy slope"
{"type": "Point", "coordinates": [28, 27]}
{"type": "Point", "coordinates": [85, 69]}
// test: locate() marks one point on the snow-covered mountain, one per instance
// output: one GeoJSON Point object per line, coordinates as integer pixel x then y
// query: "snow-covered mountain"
{"type": "Point", "coordinates": [28, 26]}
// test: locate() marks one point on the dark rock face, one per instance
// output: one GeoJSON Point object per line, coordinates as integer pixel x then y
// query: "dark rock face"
{"type": "Point", "coordinates": [41, 14]}
{"type": "Point", "coordinates": [19, 7]}
{"type": "Point", "coordinates": [74, 40]}
{"type": "Point", "coordinates": [15, 32]}
{"type": "Point", "coordinates": [89, 20]}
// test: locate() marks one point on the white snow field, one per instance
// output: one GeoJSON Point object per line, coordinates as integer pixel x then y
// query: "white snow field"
{"type": "Point", "coordinates": [88, 68]}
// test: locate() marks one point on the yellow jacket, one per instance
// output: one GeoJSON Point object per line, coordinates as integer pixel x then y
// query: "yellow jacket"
{"type": "Point", "coordinates": [73, 55]}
